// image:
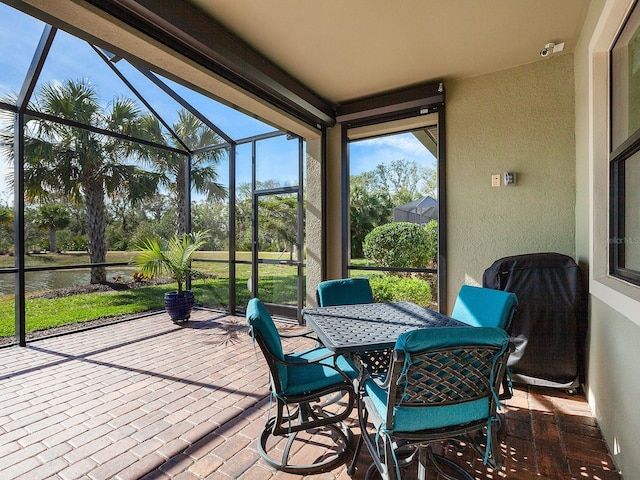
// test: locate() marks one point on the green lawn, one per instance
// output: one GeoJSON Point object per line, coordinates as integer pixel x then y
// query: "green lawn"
{"type": "Point", "coordinates": [277, 284]}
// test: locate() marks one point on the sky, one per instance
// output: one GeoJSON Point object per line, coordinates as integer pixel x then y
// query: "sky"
{"type": "Point", "coordinates": [72, 58]}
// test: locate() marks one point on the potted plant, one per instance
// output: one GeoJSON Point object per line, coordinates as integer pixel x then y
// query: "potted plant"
{"type": "Point", "coordinates": [172, 258]}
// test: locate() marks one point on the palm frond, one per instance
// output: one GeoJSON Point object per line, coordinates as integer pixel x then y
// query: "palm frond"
{"type": "Point", "coordinates": [172, 257]}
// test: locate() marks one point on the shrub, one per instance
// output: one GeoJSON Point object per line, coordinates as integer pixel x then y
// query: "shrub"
{"type": "Point", "coordinates": [77, 244]}
{"type": "Point", "coordinates": [431, 229]}
{"type": "Point", "coordinates": [397, 244]}
{"type": "Point", "coordinates": [400, 289]}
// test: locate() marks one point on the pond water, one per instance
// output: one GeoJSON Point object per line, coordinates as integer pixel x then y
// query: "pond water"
{"type": "Point", "coordinates": [52, 280]}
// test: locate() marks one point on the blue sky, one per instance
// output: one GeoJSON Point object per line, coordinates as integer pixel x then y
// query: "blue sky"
{"type": "Point", "coordinates": [71, 58]}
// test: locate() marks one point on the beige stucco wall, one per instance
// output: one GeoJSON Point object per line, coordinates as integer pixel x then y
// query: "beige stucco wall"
{"type": "Point", "coordinates": [313, 219]}
{"type": "Point", "coordinates": [519, 120]}
{"type": "Point", "coordinates": [334, 203]}
{"type": "Point", "coordinates": [613, 382]}
{"type": "Point", "coordinates": [333, 231]}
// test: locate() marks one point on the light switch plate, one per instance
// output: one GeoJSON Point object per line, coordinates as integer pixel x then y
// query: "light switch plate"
{"type": "Point", "coordinates": [495, 180]}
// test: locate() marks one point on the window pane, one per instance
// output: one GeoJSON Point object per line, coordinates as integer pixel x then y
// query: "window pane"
{"type": "Point", "coordinates": [277, 162]}
{"type": "Point", "coordinates": [210, 212]}
{"type": "Point", "coordinates": [632, 213]}
{"type": "Point", "coordinates": [625, 79]}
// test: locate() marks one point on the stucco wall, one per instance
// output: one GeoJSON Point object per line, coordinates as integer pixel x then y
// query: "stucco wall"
{"type": "Point", "coordinates": [313, 225]}
{"type": "Point", "coordinates": [519, 120]}
{"type": "Point", "coordinates": [613, 382]}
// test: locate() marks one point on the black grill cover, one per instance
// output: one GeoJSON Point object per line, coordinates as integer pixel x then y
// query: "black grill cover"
{"type": "Point", "coordinates": [550, 323]}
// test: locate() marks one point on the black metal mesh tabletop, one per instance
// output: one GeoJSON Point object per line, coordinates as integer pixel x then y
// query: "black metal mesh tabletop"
{"type": "Point", "coordinates": [371, 326]}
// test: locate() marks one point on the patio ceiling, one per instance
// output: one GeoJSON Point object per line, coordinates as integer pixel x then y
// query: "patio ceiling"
{"type": "Point", "coordinates": [343, 50]}
{"type": "Point", "coordinates": [309, 59]}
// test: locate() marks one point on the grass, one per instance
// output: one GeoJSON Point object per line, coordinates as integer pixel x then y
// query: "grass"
{"type": "Point", "coordinates": [277, 284]}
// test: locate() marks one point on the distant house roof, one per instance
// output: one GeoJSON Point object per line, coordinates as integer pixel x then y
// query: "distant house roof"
{"type": "Point", "coordinates": [420, 211]}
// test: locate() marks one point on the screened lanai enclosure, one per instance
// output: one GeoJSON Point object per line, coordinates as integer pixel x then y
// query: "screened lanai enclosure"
{"type": "Point", "coordinates": [102, 150]}
{"type": "Point", "coordinates": [99, 153]}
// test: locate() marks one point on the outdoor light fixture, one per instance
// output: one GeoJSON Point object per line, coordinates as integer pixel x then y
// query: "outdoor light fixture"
{"type": "Point", "coordinates": [550, 48]}
{"type": "Point", "coordinates": [509, 178]}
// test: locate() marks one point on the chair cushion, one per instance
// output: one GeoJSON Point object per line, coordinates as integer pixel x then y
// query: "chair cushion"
{"type": "Point", "coordinates": [413, 419]}
{"type": "Point", "coordinates": [313, 376]}
{"type": "Point", "coordinates": [484, 307]}
{"type": "Point", "coordinates": [345, 291]}
{"type": "Point", "coordinates": [259, 319]}
{"type": "Point", "coordinates": [443, 337]}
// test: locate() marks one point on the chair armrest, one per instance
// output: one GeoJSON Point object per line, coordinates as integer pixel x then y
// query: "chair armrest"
{"type": "Point", "coordinates": [304, 361]}
{"type": "Point", "coordinates": [305, 334]}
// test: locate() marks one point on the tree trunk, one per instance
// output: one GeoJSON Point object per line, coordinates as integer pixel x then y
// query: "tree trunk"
{"type": "Point", "coordinates": [180, 202]}
{"type": "Point", "coordinates": [94, 196]}
{"type": "Point", "coordinates": [52, 239]}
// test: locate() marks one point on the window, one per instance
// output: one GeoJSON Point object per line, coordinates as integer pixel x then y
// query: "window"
{"type": "Point", "coordinates": [625, 153]}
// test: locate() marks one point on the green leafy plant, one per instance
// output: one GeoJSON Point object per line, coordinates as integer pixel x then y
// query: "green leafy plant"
{"type": "Point", "coordinates": [399, 289]}
{"type": "Point", "coordinates": [432, 242]}
{"type": "Point", "coordinates": [397, 244]}
{"type": "Point", "coordinates": [172, 257]}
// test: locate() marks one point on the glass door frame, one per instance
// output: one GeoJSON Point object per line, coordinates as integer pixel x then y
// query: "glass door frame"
{"type": "Point", "coordinates": [437, 108]}
{"type": "Point", "coordinates": [276, 309]}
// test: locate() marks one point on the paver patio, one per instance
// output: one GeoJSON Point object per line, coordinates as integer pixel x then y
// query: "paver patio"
{"type": "Point", "coordinates": [149, 399]}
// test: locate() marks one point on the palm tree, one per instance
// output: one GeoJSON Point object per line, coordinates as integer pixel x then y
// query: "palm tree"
{"type": "Point", "coordinates": [172, 167]}
{"type": "Point", "coordinates": [278, 215]}
{"type": "Point", "coordinates": [78, 164]}
{"type": "Point", "coordinates": [52, 218]}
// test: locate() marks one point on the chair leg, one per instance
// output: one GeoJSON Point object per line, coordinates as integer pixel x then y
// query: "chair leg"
{"type": "Point", "coordinates": [341, 433]}
{"type": "Point", "coordinates": [390, 461]}
{"type": "Point", "coordinates": [495, 460]}
{"type": "Point", "coordinates": [439, 461]}
{"type": "Point", "coordinates": [422, 462]}
{"type": "Point", "coordinates": [352, 466]}
{"type": "Point", "coordinates": [338, 438]}
{"type": "Point", "coordinates": [506, 392]}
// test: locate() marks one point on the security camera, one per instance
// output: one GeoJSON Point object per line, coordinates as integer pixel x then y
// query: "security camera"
{"type": "Point", "coordinates": [547, 50]}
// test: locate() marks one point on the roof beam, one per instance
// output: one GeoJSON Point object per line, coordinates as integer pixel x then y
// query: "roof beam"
{"type": "Point", "coordinates": [412, 101]}
{"type": "Point", "coordinates": [192, 33]}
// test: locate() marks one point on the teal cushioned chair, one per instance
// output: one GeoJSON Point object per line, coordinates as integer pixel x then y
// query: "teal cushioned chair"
{"type": "Point", "coordinates": [486, 307]}
{"type": "Point", "coordinates": [298, 382]}
{"type": "Point", "coordinates": [344, 291]}
{"type": "Point", "coordinates": [442, 384]}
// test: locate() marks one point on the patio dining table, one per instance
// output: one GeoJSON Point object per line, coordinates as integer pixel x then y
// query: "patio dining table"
{"type": "Point", "coordinates": [369, 332]}
{"type": "Point", "coordinates": [346, 329]}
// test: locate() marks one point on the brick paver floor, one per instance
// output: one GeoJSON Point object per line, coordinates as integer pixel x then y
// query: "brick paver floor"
{"type": "Point", "coordinates": [149, 399]}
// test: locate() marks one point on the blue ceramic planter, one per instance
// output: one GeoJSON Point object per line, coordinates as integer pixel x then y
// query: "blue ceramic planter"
{"type": "Point", "coordinates": [179, 305]}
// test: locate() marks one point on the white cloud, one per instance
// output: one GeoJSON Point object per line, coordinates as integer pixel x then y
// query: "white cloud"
{"type": "Point", "coordinates": [405, 144]}
{"type": "Point", "coordinates": [365, 155]}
